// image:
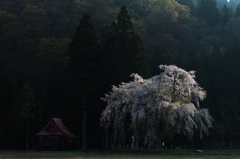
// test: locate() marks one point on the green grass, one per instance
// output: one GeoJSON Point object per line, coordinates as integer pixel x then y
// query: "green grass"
{"type": "Point", "coordinates": [123, 153]}
{"type": "Point", "coordinates": [161, 153]}
{"type": "Point", "coordinates": [152, 151]}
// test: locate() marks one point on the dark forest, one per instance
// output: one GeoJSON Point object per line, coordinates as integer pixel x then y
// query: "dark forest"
{"type": "Point", "coordinates": [40, 66]}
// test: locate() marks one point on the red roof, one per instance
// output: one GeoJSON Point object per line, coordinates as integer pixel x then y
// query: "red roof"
{"type": "Point", "coordinates": [55, 127]}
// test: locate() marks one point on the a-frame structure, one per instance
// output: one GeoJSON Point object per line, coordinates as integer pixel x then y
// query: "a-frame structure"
{"type": "Point", "coordinates": [56, 136]}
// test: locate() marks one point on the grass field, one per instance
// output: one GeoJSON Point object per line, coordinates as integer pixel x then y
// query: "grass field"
{"type": "Point", "coordinates": [120, 154]}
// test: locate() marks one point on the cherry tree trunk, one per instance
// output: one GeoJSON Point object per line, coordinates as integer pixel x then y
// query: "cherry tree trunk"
{"type": "Point", "coordinates": [122, 132]}
{"type": "Point", "coordinates": [136, 137]}
{"type": "Point", "coordinates": [107, 139]}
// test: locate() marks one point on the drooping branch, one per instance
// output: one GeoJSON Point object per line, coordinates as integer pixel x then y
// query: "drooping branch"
{"type": "Point", "coordinates": [172, 97]}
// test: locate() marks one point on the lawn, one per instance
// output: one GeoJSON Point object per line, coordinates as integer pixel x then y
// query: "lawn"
{"type": "Point", "coordinates": [120, 154]}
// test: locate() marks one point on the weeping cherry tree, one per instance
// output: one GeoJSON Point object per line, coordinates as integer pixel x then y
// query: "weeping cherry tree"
{"type": "Point", "coordinates": [171, 97]}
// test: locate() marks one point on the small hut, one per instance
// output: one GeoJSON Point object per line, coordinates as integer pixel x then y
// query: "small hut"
{"type": "Point", "coordinates": [56, 136]}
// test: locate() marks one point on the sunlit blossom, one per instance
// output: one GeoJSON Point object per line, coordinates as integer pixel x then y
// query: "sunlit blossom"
{"type": "Point", "coordinates": [174, 95]}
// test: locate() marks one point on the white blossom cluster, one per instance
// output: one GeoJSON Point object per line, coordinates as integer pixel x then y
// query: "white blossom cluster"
{"type": "Point", "coordinates": [172, 96]}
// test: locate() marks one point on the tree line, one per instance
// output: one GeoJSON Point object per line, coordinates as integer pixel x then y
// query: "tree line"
{"type": "Point", "coordinates": [35, 38]}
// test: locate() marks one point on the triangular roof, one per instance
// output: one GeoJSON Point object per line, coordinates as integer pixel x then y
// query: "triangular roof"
{"type": "Point", "coordinates": [55, 127]}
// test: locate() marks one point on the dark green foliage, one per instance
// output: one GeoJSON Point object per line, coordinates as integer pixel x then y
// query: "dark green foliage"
{"type": "Point", "coordinates": [51, 56]}
{"type": "Point", "coordinates": [237, 12]}
{"type": "Point", "coordinates": [22, 117]}
{"type": "Point", "coordinates": [232, 73]}
{"type": "Point", "coordinates": [84, 56]}
{"type": "Point", "coordinates": [34, 37]}
{"type": "Point", "coordinates": [158, 58]}
{"type": "Point", "coordinates": [155, 60]}
{"type": "Point", "coordinates": [122, 49]}
{"type": "Point", "coordinates": [8, 95]}
{"type": "Point", "coordinates": [6, 17]}
{"type": "Point", "coordinates": [214, 74]}
{"type": "Point", "coordinates": [195, 63]}
{"type": "Point", "coordinates": [226, 14]}
{"type": "Point", "coordinates": [85, 67]}
{"type": "Point", "coordinates": [188, 3]}
{"type": "Point", "coordinates": [35, 21]}
{"type": "Point", "coordinates": [25, 102]}
{"type": "Point", "coordinates": [207, 9]}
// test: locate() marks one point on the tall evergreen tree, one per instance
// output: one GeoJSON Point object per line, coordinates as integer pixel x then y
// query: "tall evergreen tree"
{"type": "Point", "coordinates": [22, 114]}
{"type": "Point", "coordinates": [237, 12]}
{"type": "Point", "coordinates": [84, 61]}
{"type": "Point", "coordinates": [207, 9]}
{"type": "Point", "coordinates": [123, 49]}
{"type": "Point", "coordinates": [226, 14]}
{"type": "Point", "coordinates": [7, 99]}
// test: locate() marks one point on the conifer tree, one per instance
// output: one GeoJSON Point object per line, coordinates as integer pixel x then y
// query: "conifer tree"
{"type": "Point", "coordinates": [22, 114]}
{"type": "Point", "coordinates": [123, 49]}
{"type": "Point", "coordinates": [237, 12]}
{"type": "Point", "coordinates": [226, 14]}
{"type": "Point", "coordinates": [84, 61]}
{"type": "Point", "coordinates": [216, 75]}
{"type": "Point", "coordinates": [207, 9]}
